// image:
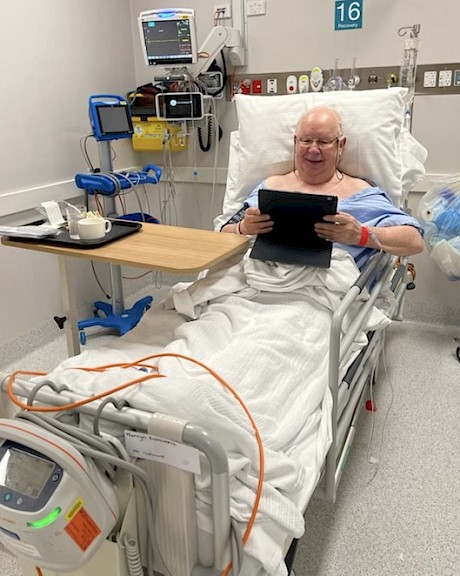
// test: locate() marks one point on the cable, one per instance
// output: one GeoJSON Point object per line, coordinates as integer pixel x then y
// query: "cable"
{"type": "Point", "coordinates": [84, 151]}
{"type": "Point", "coordinates": [141, 362]}
{"type": "Point", "coordinates": [96, 277]}
{"type": "Point", "coordinates": [375, 460]}
{"type": "Point", "coordinates": [133, 557]}
{"type": "Point", "coordinates": [214, 179]}
{"type": "Point", "coordinates": [168, 190]}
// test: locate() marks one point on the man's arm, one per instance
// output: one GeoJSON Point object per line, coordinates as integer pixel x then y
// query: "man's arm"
{"type": "Point", "coordinates": [398, 240]}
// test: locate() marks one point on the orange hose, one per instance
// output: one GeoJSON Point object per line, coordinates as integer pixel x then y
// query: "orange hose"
{"type": "Point", "coordinates": [141, 363]}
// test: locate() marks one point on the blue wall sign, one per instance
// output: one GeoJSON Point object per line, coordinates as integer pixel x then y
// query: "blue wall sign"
{"type": "Point", "coordinates": [348, 14]}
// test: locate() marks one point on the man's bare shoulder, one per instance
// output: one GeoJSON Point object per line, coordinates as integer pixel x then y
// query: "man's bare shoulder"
{"type": "Point", "coordinates": [280, 181]}
{"type": "Point", "coordinates": [352, 184]}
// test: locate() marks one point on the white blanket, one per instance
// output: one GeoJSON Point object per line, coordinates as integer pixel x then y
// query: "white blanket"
{"type": "Point", "coordinates": [265, 330]}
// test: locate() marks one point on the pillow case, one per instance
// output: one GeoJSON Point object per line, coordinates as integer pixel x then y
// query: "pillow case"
{"type": "Point", "coordinates": [372, 122]}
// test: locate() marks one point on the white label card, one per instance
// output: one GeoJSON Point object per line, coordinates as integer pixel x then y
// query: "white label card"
{"type": "Point", "coordinates": [140, 445]}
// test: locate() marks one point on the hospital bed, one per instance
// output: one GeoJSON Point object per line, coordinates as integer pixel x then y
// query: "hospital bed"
{"type": "Point", "coordinates": [253, 376]}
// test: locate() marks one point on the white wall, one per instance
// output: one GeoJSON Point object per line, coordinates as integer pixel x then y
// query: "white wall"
{"type": "Point", "coordinates": [297, 35]}
{"type": "Point", "coordinates": [55, 53]}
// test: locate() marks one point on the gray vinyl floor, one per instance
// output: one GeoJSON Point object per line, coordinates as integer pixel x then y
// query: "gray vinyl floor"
{"type": "Point", "coordinates": [398, 507]}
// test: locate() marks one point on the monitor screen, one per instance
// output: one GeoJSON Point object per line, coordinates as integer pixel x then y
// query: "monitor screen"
{"type": "Point", "coordinates": [168, 39]}
{"type": "Point", "coordinates": [114, 119]}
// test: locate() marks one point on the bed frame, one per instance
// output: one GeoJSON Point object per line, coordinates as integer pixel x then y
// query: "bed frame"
{"type": "Point", "coordinates": [347, 395]}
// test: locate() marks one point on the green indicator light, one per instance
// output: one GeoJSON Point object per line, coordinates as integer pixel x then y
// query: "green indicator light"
{"type": "Point", "coordinates": [46, 521]}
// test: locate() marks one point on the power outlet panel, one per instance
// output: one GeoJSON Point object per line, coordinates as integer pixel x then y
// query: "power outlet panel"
{"type": "Point", "coordinates": [445, 78]}
{"type": "Point", "coordinates": [272, 86]}
{"type": "Point", "coordinates": [430, 78]}
{"type": "Point", "coordinates": [255, 7]}
{"type": "Point", "coordinates": [222, 12]}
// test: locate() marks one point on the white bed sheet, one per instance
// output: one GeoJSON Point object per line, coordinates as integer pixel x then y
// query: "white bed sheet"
{"type": "Point", "coordinates": [265, 329]}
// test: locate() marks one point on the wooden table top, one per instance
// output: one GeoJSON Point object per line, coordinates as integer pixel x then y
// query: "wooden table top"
{"type": "Point", "coordinates": [171, 249]}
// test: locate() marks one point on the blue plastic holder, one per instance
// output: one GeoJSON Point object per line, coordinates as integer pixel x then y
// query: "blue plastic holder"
{"type": "Point", "coordinates": [112, 183]}
{"type": "Point", "coordinates": [123, 322]}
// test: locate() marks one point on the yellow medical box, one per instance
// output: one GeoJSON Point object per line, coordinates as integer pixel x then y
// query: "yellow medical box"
{"type": "Point", "coordinates": [150, 133]}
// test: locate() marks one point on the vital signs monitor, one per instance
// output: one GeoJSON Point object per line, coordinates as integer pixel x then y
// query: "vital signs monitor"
{"type": "Point", "coordinates": [110, 117]}
{"type": "Point", "coordinates": [168, 37]}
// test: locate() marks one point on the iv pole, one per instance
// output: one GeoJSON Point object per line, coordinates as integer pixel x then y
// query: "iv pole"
{"type": "Point", "coordinates": [115, 314]}
{"type": "Point", "coordinates": [105, 158]}
{"type": "Point", "coordinates": [409, 67]}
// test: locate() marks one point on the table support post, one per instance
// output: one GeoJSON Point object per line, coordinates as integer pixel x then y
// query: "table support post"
{"type": "Point", "coordinates": [69, 300]}
{"type": "Point", "coordinates": [118, 304]}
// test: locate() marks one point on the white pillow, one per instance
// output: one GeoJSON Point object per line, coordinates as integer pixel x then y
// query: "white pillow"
{"type": "Point", "coordinates": [372, 123]}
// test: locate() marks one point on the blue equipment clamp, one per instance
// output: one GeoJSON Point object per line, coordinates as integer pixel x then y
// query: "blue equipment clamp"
{"type": "Point", "coordinates": [111, 183]}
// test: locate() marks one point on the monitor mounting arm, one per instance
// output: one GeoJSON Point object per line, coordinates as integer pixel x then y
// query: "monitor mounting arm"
{"type": "Point", "coordinates": [220, 37]}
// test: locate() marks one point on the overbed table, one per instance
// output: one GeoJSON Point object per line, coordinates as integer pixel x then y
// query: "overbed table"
{"type": "Point", "coordinates": [172, 249]}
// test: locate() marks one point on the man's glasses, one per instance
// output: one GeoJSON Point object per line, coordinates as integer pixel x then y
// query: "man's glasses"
{"type": "Point", "coordinates": [322, 143]}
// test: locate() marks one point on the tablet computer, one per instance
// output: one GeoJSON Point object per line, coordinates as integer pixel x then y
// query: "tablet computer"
{"type": "Point", "coordinates": [293, 239]}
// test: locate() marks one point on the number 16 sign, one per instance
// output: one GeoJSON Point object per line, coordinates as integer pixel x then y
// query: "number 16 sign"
{"type": "Point", "coordinates": [348, 14]}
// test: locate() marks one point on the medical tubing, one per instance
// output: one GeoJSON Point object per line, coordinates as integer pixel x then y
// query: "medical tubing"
{"type": "Point", "coordinates": [392, 396]}
{"type": "Point", "coordinates": [69, 434]}
{"type": "Point", "coordinates": [73, 405]}
{"type": "Point", "coordinates": [141, 362]}
{"type": "Point", "coordinates": [117, 402]}
{"type": "Point", "coordinates": [237, 548]}
{"type": "Point", "coordinates": [39, 386]}
{"type": "Point", "coordinates": [132, 555]}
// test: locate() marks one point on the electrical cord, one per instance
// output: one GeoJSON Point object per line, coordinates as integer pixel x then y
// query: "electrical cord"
{"type": "Point", "coordinates": [376, 460]}
{"type": "Point", "coordinates": [84, 151]}
{"type": "Point", "coordinates": [99, 283]}
{"type": "Point", "coordinates": [152, 375]}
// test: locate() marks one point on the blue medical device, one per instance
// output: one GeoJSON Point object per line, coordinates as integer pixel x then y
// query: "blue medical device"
{"type": "Point", "coordinates": [110, 117]}
{"type": "Point", "coordinates": [111, 184]}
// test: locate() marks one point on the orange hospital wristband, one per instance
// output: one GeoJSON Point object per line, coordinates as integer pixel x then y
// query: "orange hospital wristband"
{"type": "Point", "coordinates": [364, 236]}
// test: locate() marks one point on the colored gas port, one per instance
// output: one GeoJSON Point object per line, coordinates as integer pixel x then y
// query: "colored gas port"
{"type": "Point", "coordinates": [256, 86]}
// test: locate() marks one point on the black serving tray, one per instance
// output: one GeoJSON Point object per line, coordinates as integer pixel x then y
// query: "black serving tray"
{"type": "Point", "coordinates": [120, 229]}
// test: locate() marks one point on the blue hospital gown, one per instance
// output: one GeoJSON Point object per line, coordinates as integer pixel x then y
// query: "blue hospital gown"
{"type": "Point", "coordinates": [371, 207]}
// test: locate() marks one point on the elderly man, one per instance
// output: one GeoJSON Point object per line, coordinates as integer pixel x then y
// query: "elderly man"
{"type": "Point", "coordinates": [366, 219]}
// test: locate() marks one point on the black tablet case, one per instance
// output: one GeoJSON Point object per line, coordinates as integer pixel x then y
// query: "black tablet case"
{"type": "Point", "coordinates": [293, 239]}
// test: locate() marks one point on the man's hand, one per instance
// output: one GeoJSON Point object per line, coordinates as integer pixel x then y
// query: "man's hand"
{"type": "Point", "coordinates": [255, 223]}
{"type": "Point", "coordinates": [343, 228]}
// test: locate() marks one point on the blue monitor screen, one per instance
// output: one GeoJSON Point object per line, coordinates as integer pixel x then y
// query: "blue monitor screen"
{"type": "Point", "coordinates": [114, 119]}
{"type": "Point", "coordinates": [168, 42]}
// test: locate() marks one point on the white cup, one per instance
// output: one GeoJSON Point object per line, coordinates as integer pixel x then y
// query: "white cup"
{"type": "Point", "coordinates": [93, 228]}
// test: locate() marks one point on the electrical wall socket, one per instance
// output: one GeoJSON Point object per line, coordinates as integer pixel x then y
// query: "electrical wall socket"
{"type": "Point", "coordinates": [255, 7]}
{"type": "Point", "coordinates": [222, 12]}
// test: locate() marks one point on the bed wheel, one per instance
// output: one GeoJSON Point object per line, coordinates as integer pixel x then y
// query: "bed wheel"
{"type": "Point", "coordinates": [458, 353]}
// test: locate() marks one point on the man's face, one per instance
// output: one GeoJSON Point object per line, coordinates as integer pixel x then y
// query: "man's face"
{"type": "Point", "coordinates": [318, 147]}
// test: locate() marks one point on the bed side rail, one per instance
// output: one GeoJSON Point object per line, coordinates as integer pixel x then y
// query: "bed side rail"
{"type": "Point", "coordinates": [378, 271]}
{"type": "Point", "coordinates": [193, 435]}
